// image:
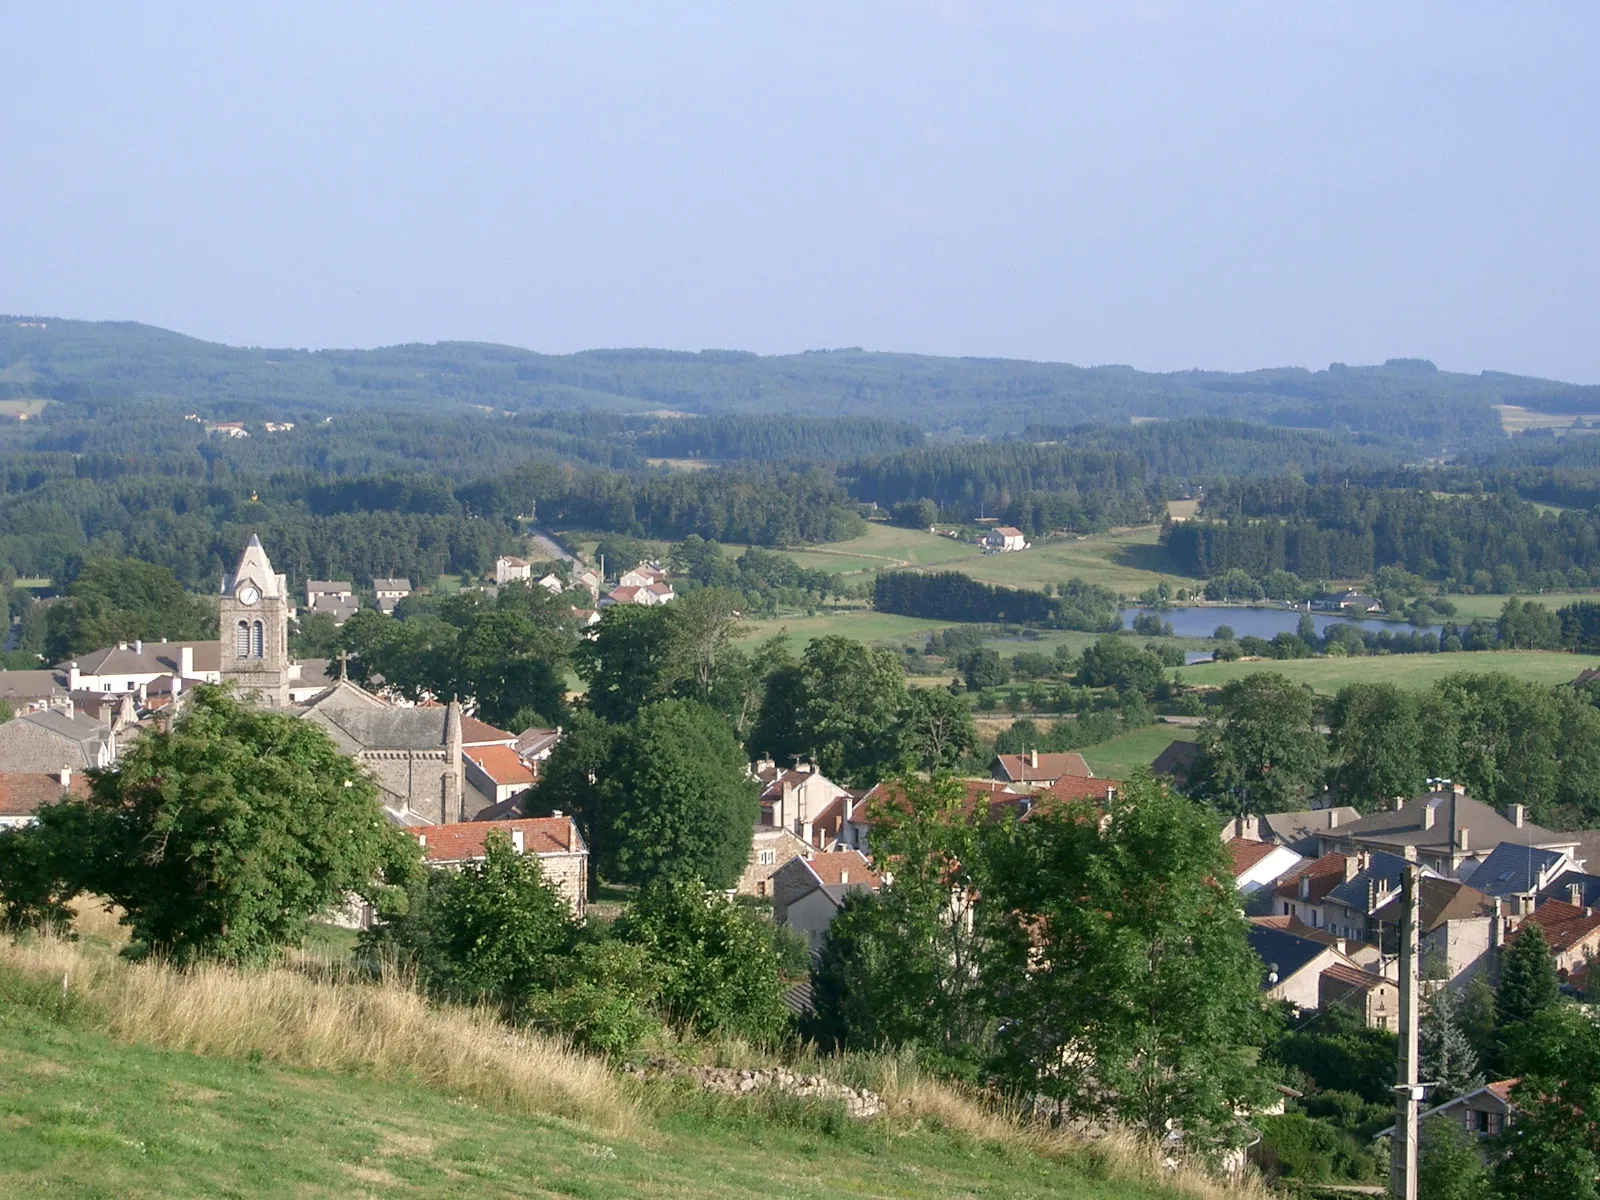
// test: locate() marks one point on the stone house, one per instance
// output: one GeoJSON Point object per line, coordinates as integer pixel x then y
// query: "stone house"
{"type": "Point", "coordinates": [771, 849]}
{"type": "Point", "coordinates": [1573, 934]}
{"type": "Point", "coordinates": [794, 799]}
{"type": "Point", "coordinates": [46, 742]}
{"type": "Point", "coordinates": [1376, 998]}
{"type": "Point", "coordinates": [563, 856]}
{"type": "Point", "coordinates": [808, 892]}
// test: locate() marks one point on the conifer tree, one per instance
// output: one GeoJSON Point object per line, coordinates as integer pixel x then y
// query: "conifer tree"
{"type": "Point", "coordinates": [1528, 982]}
{"type": "Point", "coordinates": [1448, 1058]}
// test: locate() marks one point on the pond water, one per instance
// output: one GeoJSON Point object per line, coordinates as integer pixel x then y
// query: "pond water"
{"type": "Point", "coordinates": [1247, 621]}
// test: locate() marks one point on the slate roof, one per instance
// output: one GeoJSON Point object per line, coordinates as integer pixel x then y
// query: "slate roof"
{"type": "Point", "coordinates": [1288, 951]}
{"type": "Point", "coordinates": [1512, 869]}
{"type": "Point", "coordinates": [44, 742]}
{"type": "Point", "coordinates": [31, 685]}
{"type": "Point", "coordinates": [391, 585]}
{"type": "Point", "coordinates": [1406, 826]}
{"type": "Point", "coordinates": [534, 742]}
{"type": "Point", "coordinates": [358, 720]}
{"type": "Point", "coordinates": [466, 841]}
{"type": "Point", "coordinates": [1384, 870]}
{"type": "Point", "coordinates": [1560, 888]}
{"type": "Point", "coordinates": [115, 660]}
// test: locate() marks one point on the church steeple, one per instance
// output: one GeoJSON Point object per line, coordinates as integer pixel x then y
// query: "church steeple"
{"type": "Point", "coordinates": [254, 611]}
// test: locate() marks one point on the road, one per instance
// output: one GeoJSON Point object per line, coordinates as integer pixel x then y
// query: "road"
{"type": "Point", "coordinates": [548, 546]}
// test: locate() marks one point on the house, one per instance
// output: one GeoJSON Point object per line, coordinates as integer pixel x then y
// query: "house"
{"type": "Point", "coordinates": [552, 583]}
{"type": "Point", "coordinates": [389, 592]}
{"type": "Point", "coordinates": [534, 745]}
{"type": "Point", "coordinates": [1300, 893]}
{"type": "Point", "coordinates": [1377, 999]}
{"type": "Point", "coordinates": [1483, 1113]}
{"type": "Point", "coordinates": [1039, 770]}
{"type": "Point", "coordinates": [807, 892]}
{"type": "Point", "coordinates": [795, 799]}
{"type": "Point", "coordinates": [555, 840]}
{"type": "Point", "coordinates": [23, 795]}
{"type": "Point", "coordinates": [1573, 934]}
{"type": "Point", "coordinates": [30, 691]}
{"type": "Point", "coordinates": [648, 594]}
{"type": "Point", "coordinates": [508, 569]}
{"type": "Point", "coordinates": [1260, 864]}
{"type": "Point", "coordinates": [279, 426]}
{"type": "Point", "coordinates": [1293, 961]}
{"type": "Point", "coordinates": [1004, 538]}
{"type": "Point", "coordinates": [642, 576]}
{"type": "Point", "coordinates": [1353, 601]}
{"type": "Point", "coordinates": [1348, 906]}
{"type": "Point", "coordinates": [770, 850]}
{"type": "Point", "coordinates": [1447, 830]}
{"type": "Point", "coordinates": [588, 579]}
{"type": "Point", "coordinates": [1176, 761]}
{"type": "Point", "coordinates": [1457, 929]}
{"type": "Point", "coordinates": [993, 797]}
{"type": "Point", "coordinates": [1578, 888]}
{"type": "Point", "coordinates": [1516, 871]}
{"type": "Point", "coordinates": [496, 772]}
{"type": "Point", "coordinates": [337, 598]}
{"type": "Point", "coordinates": [47, 742]}
{"type": "Point", "coordinates": [1300, 831]}
{"type": "Point", "coordinates": [232, 429]}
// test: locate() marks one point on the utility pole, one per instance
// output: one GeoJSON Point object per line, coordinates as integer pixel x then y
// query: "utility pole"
{"type": "Point", "coordinates": [1407, 1090]}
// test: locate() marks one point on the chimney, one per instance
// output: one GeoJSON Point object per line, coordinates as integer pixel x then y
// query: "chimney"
{"type": "Point", "coordinates": [1464, 837]}
{"type": "Point", "coordinates": [138, 645]}
{"type": "Point", "coordinates": [1410, 854]}
{"type": "Point", "coordinates": [1033, 761]}
{"type": "Point", "coordinates": [1459, 789]}
{"type": "Point", "coordinates": [186, 661]}
{"type": "Point", "coordinates": [805, 832]}
{"type": "Point", "coordinates": [516, 840]}
{"type": "Point", "coordinates": [1352, 867]}
{"type": "Point", "coordinates": [1372, 893]}
{"type": "Point", "coordinates": [844, 876]}
{"type": "Point", "coordinates": [1333, 818]}
{"type": "Point", "coordinates": [422, 839]}
{"type": "Point", "coordinates": [66, 782]}
{"type": "Point", "coordinates": [1517, 811]}
{"type": "Point", "coordinates": [1399, 803]}
{"type": "Point", "coordinates": [1574, 890]}
{"type": "Point", "coordinates": [1429, 814]}
{"type": "Point", "coordinates": [1525, 904]}
{"type": "Point", "coordinates": [1305, 887]}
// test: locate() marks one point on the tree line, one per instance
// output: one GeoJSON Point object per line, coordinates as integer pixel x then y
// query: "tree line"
{"type": "Point", "coordinates": [953, 596]}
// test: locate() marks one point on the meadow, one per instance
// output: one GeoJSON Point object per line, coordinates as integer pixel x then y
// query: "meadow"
{"type": "Point", "coordinates": [1123, 755]}
{"type": "Point", "coordinates": [1416, 671]}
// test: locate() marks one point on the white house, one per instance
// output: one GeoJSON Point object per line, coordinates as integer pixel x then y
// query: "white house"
{"type": "Point", "coordinates": [508, 569]}
{"type": "Point", "coordinates": [1260, 864]}
{"type": "Point", "coordinates": [1005, 537]}
{"type": "Point", "coordinates": [389, 592]}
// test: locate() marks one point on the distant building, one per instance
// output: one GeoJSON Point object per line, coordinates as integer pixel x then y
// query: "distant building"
{"type": "Point", "coordinates": [1004, 538]}
{"type": "Point", "coordinates": [389, 592]}
{"type": "Point", "coordinates": [552, 584]}
{"type": "Point", "coordinates": [645, 574]}
{"type": "Point", "coordinates": [1260, 864]}
{"type": "Point", "coordinates": [1377, 999]}
{"type": "Point", "coordinates": [335, 597]}
{"type": "Point", "coordinates": [1483, 1113]}
{"type": "Point", "coordinates": [508, 569]}
{"type": "Point", "coordinates": [563, 856]}
{"type": "Point", "coordinates": [1039, 770]}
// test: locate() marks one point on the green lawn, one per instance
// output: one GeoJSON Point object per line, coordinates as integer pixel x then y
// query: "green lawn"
{"type": "Point", "coordinates": [85, 1117]}
{"type": "Point", "coordinates": [1123, 755]}
{"type": "Point", "coordinates": [1126, 561]}
{"type": "Point", "coordinates": [1328, 675]}
{"type": "Point", "coordinates": [862, 624]}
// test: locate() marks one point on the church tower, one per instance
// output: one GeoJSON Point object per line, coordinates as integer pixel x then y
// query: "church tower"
{"type": "Point", "coordinates": [255, 628]}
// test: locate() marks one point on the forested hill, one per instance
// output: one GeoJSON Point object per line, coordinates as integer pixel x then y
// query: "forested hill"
{"type": "Point", "coordinates": [1407, 400]}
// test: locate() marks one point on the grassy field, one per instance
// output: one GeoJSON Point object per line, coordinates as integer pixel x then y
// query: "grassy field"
{"type": "Point", "coordinates": [861, 624]}
{"type": "Point", "coordinates": [1128, 561]}
{"type": "Point", "coordinates": [1122, 756]}
{"type": "Point", "coordinates": [1469, 608]}
{"type": "Point", "coordinates": [1328, 675]}
{"type": "Point", "coordinates": [247, 1084]}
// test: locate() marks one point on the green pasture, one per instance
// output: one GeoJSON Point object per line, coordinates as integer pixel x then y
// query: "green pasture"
{"type": "Point", "coordinates": [1123, 755]}
{"type": "Point", "coordinates": [1328, 675]}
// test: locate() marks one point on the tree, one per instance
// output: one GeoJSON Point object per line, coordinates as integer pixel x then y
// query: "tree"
{"type": "Point", "coordinates": [1528, 986]}
{"type": "Point", "coordinates": [222, 837]}
{"type": "Point", "coordinates": [1117, 663]}
{"type": "Point", "coordinates": [570, 779]}
{"type": "Point", "coordinates": [676, 802]}
{"type": "Point", "coordinates": [1261, 753]}
{"type": "Point", "coordinates": [640, 655]}
{"type": "Point", "coordinates": [842, 706]}
{"type": "Point", "coordinates": [1477, 1018]}
{"type": "Point", "coordinates": [902, 966]}
{"type": "Point", "coordinates": [984, 668]}
{"type": "Point", "coordinates": [120, 600]}
{"type": "Point", "coordinates": [1377, 744]}
{"type": "Point", "coordinates": [718, 967]}
{"type": "Point", "coordinates": [1447, 1056]}
{"type": "Point", "coordinates": [1121, 975]}
{"type": "Point", "coordinates": [498, 931]}
{"type": "Point", "coordinates": [937, 729]}
{"type": "Point", "coordinates": [1552, 1150]}
{"type": "Point", "coordinates": [1449, 1165]}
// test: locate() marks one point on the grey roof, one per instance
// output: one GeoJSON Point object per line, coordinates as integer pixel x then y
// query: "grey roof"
{"type": "Point", "coordinates": [1512, 869]}
{"type": "Point", "coordinates": [1291, 828]}
{"type": "Point", "coordinates": [1452, 811]}
{"type": "Point", "coordinates": [1384, 870]}
{"type": "Point", "coordinates": [44, 742]}
{"type": "Point", "coordinates": [360, 721]}
{"type": "Point", "coordinates": [324, 587]}
{"type": "Point", "coordinates": [1588, 851]}
{"type": "Point", "coordinates": [116, 660]}
{"type": "Point", "coordinates": [391, 585]}
{"type": "Point", "coordinates": [1561, 887]}
{"type": "Point", "coordinates": [1288, 951]}
{"type": "Point", "coordinates": [31, 685]}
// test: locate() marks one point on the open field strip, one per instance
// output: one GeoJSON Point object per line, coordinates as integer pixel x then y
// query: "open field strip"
{"type": "Point", "coordinates": [1126, 753]}
{"type": "Point", "coordinates": [1417, 671]}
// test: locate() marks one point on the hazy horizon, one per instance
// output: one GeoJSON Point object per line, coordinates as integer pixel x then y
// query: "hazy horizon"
{"type": "Point", "coordinates": [1229, 186]}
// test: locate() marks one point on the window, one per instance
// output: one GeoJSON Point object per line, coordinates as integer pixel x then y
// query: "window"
{"type": "Point", "coordinates": [767, 857]}
{"type": "Point", "coordinates": [1493, 1123]}
{"type": "Point", "coordinates": [256, 639]}
{"type": "Point", "coordinates": [761, 887]}
{"type": "Point", "coordinates": [241, 640]}
{"type": "Point", "coordinates": [106, 687]}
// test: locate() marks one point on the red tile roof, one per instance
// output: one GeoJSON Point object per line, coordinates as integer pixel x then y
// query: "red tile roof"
{"type": "Point", "coordinates": [1563, 925]}
{"type": "Point", "coordinates": [501, 764]}
{"type": "Point", "coordinates": [23, 794]}
{"type": "Point", "coordinates": [1247, 853]}
{"type": "Point", "coordinates": [1501, 1088]}
{"type": "Point", "coordinates": [1076, 787]}
{"type": "Point", "coordinates": [1326, 874]}
{"type": "Point", "coordinates": [1019, 767]}
{"type": "Point", "coordinates": [843, 866]}
{"type": "Point", "coordinates": [477, 733]}
{"type": "Point", "coordinates": [465, 842]}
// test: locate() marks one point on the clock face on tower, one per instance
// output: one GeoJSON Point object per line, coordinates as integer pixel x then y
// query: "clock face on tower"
{"type": "Point", "coordinates": [248, 594]}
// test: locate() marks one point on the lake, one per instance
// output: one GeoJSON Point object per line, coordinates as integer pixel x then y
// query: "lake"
{"type": "Point", "coordinates": [1247, 621]}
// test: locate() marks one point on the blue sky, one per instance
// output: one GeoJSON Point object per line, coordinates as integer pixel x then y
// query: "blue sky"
{"type": "Point", "coordinates": [1169, 185]}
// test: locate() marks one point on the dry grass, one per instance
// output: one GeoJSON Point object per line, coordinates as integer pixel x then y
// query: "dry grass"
{"type": "Point", "coordinates": [384, 1029]}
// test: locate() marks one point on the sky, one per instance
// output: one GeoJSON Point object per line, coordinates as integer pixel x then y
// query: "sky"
{"type": "Point", "coordinates": [1169, 185]}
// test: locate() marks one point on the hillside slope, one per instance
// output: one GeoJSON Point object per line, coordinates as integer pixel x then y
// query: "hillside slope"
{"type": "Point", "coordinates": [82, 360]}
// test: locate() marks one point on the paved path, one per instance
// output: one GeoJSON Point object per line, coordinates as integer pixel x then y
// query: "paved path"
{"type": "Point", "coordinates": [549, 546]}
